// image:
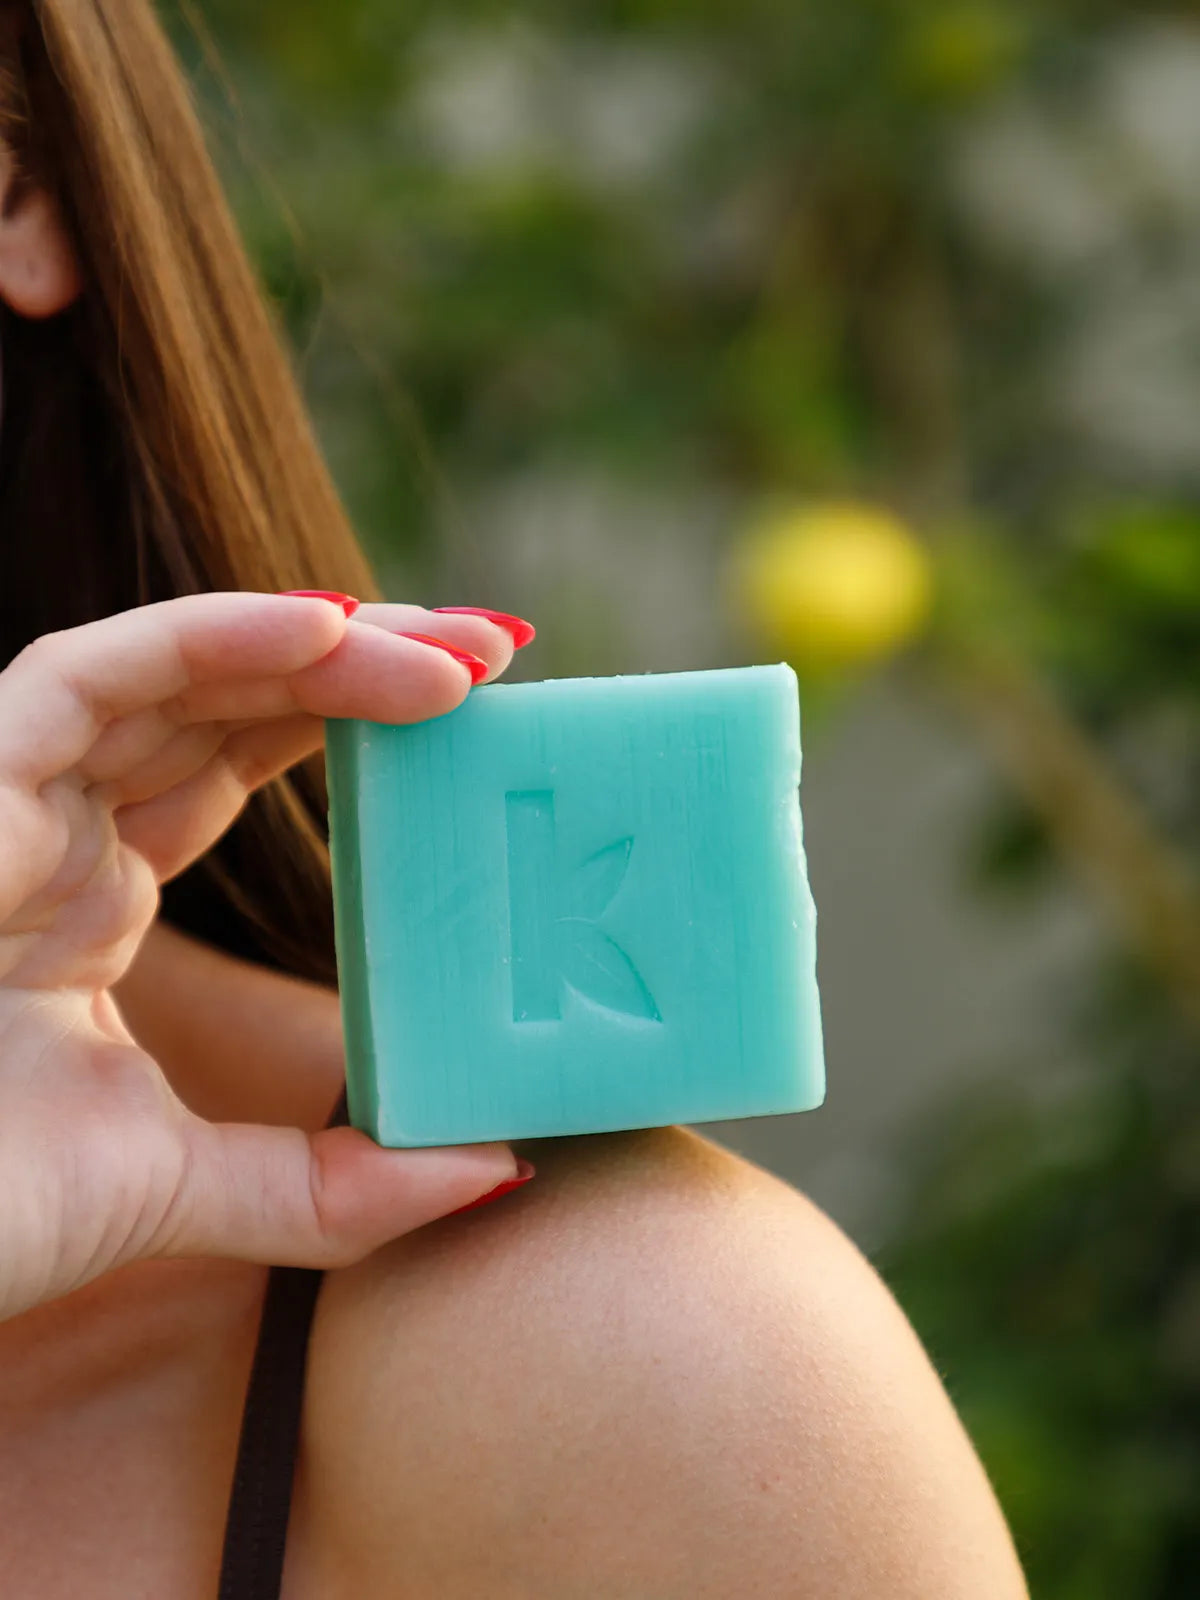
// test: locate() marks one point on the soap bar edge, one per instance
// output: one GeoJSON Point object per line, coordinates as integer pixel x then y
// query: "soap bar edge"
{"type": "Point", "coordinates": [342, 780]}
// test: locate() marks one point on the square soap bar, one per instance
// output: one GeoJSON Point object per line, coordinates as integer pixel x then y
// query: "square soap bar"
{"type": "Point", "coordinates": [576, 906]}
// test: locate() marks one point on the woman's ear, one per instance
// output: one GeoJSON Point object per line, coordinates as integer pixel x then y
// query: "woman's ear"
{"type": "Point", "coordinates": [39, 270]}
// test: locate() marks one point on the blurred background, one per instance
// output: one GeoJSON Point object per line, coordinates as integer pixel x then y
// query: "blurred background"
{"type": "Point", "coordinates": [864, 334]}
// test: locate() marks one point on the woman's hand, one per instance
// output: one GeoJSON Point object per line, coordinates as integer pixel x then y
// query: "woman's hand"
{"type": "Point", "coordinates": [127, 747]}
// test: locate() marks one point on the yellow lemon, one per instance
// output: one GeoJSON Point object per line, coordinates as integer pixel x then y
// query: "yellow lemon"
{"type": "Point", "coordinates": [832, 585]}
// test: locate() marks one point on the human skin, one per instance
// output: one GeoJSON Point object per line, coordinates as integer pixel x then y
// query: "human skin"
{"type": "Point", "coordinates": [652, 1373]}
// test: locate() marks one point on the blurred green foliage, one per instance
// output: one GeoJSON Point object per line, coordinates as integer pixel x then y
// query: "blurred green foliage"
{"type": "Point", "coordinates": [944, 256]}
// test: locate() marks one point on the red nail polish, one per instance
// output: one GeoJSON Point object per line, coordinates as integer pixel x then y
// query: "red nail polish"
{"type": "Point", "coordinates": [347, 601]}
{"type": "Point", "coordinates": [525, 1171]}
{"type": "Point", "coordinates": [477, 668]}
{"type": "Point", "coordinates": [523, 632]}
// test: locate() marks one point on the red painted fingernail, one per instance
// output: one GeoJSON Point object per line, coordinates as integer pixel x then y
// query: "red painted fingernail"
{"type": "Point", "coordinates": [478, 669]}
{"type": "Point", "coordinates": [523, 632]}
{"type": "Point", "coordinates": [525, 1171]}
{"type": "Point", "coordinates": [347, 601]}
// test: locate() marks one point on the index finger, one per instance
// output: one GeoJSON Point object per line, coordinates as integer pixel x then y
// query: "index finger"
{"type": "Point", "coordinates": [60, 693]}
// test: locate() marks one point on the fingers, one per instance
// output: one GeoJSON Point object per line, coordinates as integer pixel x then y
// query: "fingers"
{"type": "Point", "coordinates": [375, 672]}
{"type": "Point", "coordinates": [474, 633]}
{"type": "Point", "coordinates": [382, 677]}
{"type": "Point", "coordinates": [255, 753]}
{"type": "Point", "coordinates": [60, 693]}
{"type": "Point", "coordinates": [181, 797]}
{"type": "Point", "coordinates": [92, 939]}
{"type": "Point", "coordinates": [122, 770]}
{"type": "Point", "coordinates": [135, 703]}
{"type": "Point", "coordinates": [172, 828]}
{"type": "Point", "coordinates": [282, 1196]}
{"type": "Point", "coordinates": [185, 789]}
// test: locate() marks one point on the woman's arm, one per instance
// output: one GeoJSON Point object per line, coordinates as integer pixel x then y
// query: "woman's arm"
{"type": "Point", "coordinates": [656, 1372]}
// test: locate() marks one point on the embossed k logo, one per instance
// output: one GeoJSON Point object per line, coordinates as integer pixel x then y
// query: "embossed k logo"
{"type": "Point", "coordinates": [554, 915]}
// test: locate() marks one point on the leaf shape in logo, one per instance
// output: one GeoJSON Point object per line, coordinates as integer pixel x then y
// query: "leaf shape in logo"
{"type": "Point", "coordinates": [597, 968]}
{"type": "Point", "coordinates": [593, 886]}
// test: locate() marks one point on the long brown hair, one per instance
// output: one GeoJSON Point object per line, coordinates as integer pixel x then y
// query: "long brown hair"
{"type": "Point", "coordinates": [153, 441]}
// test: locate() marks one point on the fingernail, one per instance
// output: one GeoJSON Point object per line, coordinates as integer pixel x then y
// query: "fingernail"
{"type": "Point", "coordinates": [525, 1171]}
{"type": "Point", "coordinates": [347, 601]}
{"type": "Point", "coordinates": [522, 632]}
{"type": "Point", "coordinates": [477, 668]}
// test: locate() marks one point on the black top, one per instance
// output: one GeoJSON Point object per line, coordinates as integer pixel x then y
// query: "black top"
{"type": "Point", "coordinates": [260, 1501]}
{"type": "Point", "coordinates": [199, 903]}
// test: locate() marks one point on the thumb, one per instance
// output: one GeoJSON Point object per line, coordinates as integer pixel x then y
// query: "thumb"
{"type": "Point", "coordinates": [283, 1197]}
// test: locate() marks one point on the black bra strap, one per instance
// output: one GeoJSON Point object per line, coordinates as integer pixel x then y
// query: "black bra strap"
{"type": "Point", "coordinates": [260, 1501]}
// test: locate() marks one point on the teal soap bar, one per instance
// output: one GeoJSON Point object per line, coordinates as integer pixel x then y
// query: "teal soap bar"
{"type": "Point", "coordinates": [576, 906]}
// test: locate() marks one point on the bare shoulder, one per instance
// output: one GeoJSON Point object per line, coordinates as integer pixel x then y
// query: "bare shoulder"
{"type": "Point", "coordinates": [654, 1372]}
